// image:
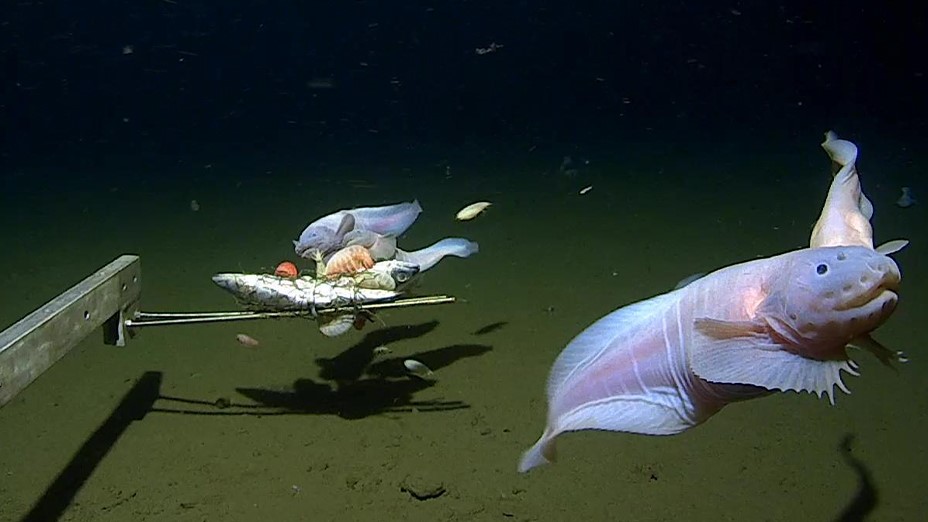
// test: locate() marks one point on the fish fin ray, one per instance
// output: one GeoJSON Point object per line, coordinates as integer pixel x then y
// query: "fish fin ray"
{"type": "Point", "coordinates": [759, 361]}
{"type": "Point", "coordinates": [884, 354]}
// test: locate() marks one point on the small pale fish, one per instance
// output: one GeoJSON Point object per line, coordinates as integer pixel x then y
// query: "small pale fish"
{"type": "Point", "coordinates": [471, 211]}
{"type": "Point", "coordinates": [336, 325]}
{"type": "Point", "coordinates": [382, 350]}
{"type": "Point", "coordinates": [586, 189]}
{"type": "Point", "coordinates": [905, 200]}
{"type": "Point", "coordinates": [247, 340]}
{"type": "Point", "coordinates": [416, 368]}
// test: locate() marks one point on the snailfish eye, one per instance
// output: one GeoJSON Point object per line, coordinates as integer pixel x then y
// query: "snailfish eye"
{"type": "Point", "coordinates": [821, 269]}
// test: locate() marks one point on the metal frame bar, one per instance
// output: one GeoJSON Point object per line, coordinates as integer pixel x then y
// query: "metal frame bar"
{"type": "Point", "coordinates": [34, 343]}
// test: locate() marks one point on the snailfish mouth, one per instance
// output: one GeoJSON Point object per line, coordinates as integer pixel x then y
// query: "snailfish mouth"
{"type": "Point", "coordinates": [306, 252]}
{"type": "Point", "coordinates": [884, 278]}
{"type": "Point", "coordinates": [868, 296]}
{"type": "Point", "coordinates": [874, 310]}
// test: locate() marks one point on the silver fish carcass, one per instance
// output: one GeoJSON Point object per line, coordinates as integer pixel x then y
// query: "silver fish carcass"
{"type": "Point", "coordinates": [333, 302]}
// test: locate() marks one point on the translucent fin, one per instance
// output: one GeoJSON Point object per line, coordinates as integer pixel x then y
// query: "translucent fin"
{"type": "Point", "coordinates": [649, 414]}
{"type": "Point", "coordinates": [542, 452]}
{"type": "Point", "coordinates": [891, 247]}
{"type": "Point", "coordinates": [756, 360]}
{"type": "Point", "coordinates": [884, 354]}
{"type": "Point", "coordinates": [345, 226]}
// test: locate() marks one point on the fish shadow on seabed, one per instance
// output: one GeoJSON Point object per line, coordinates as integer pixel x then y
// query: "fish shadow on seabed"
{"type": "Point", "coordinates": [358, 387]}
{"type": "Point", "coordinates": [352, 400]}
{"type": "Point", "coordinates": [350, 387]}
{"type": "Point", "coordinates": [490, 328]}
{"type": "Point", "coordinates": [434, 359]}
{"type": "Point", "coordinates": [349, 366]}
{"type": "Point", "coordinates": [867, 496]}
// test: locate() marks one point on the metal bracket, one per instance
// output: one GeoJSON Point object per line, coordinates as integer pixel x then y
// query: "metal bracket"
{"type": "Point", "coordinates": [107, 298]}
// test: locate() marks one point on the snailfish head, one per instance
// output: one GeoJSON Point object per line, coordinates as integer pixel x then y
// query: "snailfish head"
{"type": "Point", "coordinates": [828, 296]}
{"type": "Point", "coordinates": [316, 239]}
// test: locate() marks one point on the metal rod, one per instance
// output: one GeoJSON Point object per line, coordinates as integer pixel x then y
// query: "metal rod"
{"type": "Point", "coordinates": [412, 301]}
{"type": "Point", "coordinates": [177, 318]}
{"type": "Point", "coordinates": [209, 319]}
{"type": "Point", "coordinates": [170, 315]}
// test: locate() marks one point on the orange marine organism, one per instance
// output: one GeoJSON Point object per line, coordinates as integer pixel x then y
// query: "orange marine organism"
{"type": "Point", "coordinates": [349, 260]}
{"type": "Point", "coordinates": [287, 269]}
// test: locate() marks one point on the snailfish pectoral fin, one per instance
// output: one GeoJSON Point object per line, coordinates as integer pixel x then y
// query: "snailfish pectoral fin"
{"type": "Point", "coordinates": [739, 353]}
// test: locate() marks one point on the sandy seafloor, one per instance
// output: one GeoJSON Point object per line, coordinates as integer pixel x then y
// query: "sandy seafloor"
{"type": "Point", "coordinates": [320, 436]}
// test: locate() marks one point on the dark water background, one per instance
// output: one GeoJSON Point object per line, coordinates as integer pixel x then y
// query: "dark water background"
{"type": "Point", "coordinates": [697, 126]}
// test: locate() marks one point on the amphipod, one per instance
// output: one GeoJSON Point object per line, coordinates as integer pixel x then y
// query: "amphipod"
{"type": "Point", "coordinates": [349, 260]}
{"type": "Point", "coordinates": [471, 211]}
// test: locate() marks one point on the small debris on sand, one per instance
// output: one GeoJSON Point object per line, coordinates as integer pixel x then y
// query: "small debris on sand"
{"type": "Point", "coordinates": [247, 340]}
